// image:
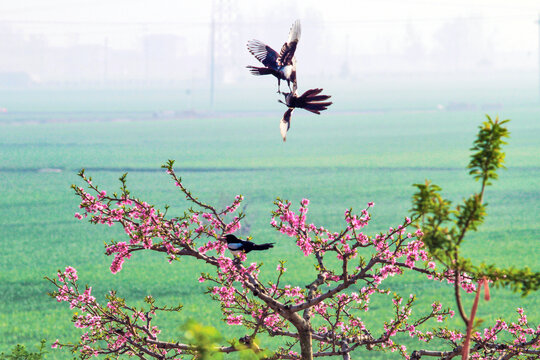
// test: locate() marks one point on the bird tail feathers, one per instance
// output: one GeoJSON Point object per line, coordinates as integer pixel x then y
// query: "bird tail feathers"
{"type": "Point", "coordinates": [310, 93]}
{"type": "Point", "coordinates": [263, 246]}
{"type": "Point", "coordinates": [259, 70]}
{"type": "Point", "coordinates": [318, 98]}
{"type": "Point", "coordinates": [315, 102]}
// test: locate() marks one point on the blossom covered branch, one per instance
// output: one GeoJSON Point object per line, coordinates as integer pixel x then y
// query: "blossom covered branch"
{"type": "Point", "coordinates": [320, 318]}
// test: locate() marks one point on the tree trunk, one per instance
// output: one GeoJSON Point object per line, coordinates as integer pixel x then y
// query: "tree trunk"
{"type": "Point", "coordinates": [306, 345]}
{"type": "Point", "coordinates": [346, 355]}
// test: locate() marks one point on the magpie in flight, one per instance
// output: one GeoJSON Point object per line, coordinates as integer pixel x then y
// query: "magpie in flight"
{"type": "Point", "coordinates": [282, 65]}
{"type": "Point", "coordinates": [236, 245]}
{"type": "Point", "coordinates": [309, 100]}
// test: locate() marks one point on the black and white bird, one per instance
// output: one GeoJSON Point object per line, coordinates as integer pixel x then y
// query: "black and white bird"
{"type": "Point", "coordinates": [282, 65]}
{"type": "Point", "coordinates": [236, 245]}
{"type": "Point", "coordinates": [309, 100]}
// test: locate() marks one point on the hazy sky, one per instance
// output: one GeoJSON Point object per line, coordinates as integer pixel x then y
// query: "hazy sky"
{"type": "Point", "coordinates": [511, 24]}
{"type": "Point", "coordinates": [78, 40]}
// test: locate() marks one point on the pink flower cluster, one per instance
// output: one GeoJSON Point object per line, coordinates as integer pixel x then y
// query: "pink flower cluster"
{"type": "Point", "coordinates": [68, 292]}
{"type": "Point", "coordinates": [234, 206]}
{"type": "Point", "coordinates": [229, 274]}
{"type": "Point", "coordinates": [272, 321]}
{"type": "Point", "coordinates": [218, 246]}
{"type": "Point", "coordinates": [523, 335]}
{"type": "Point", "coordinates": [521, 331]}
{"type": "Point", "coordinates": [234, 320]}
{"type": "Point", "coordinates": [312, 239]}
{"type": "Point", "coordinates": [110, 323]}
{"type": "Point", "coordinates": [225, 294]}
{"type": "Point", "coordinates": [122, 252]}
{"type": "Point", "coordinates": [70, 274]}
{"type": "Point", "coordinates": [466, 282]}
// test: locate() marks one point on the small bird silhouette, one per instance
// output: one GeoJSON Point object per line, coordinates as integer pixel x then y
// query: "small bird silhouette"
{"type": "Point", "coordinates": [309, 100]}
{"type": "Point", "coordinates": [236, 245]}
{"type": "Point", "coordinates": [282, 65]}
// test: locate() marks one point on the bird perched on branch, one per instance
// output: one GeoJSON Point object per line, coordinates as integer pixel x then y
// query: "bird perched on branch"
{"type": "Point", "coordinates": [236, 245]}
{"type": "Point", "coordinates": [309, 100]}
{"type": "Point", "coordinates": [282, 65]}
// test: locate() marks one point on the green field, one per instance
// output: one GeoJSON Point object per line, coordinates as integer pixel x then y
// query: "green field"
{"type": "Point", "coordinates": [338, 160]}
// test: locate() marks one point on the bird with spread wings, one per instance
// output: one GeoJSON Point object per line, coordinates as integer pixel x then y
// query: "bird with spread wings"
{"type": "Point", "coordinates": [282, 65]}
{"type": "Point", "coordinates": [309, 100]}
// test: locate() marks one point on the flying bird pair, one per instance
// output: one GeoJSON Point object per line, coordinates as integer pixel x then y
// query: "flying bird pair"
{"type": "Point", "coordinates": [283, 67]}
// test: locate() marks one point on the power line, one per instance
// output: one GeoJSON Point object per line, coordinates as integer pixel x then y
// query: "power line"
{"type": "Point", "coordinates": [265, 21]}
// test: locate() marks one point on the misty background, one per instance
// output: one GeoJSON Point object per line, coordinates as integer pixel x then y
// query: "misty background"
{"type": "Point", "coordinates": [199, 48]}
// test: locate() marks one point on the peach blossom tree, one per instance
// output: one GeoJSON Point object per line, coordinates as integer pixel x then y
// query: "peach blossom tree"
{"type": "Point", "coordinates": [321, 318]}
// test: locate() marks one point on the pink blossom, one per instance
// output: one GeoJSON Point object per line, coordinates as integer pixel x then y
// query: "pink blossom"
{"type": "Point", "coordinates": [71, 274]}
{"type": "Point", "coordinates": [271, 321]}
{"type": "Point", "coordinates": [234, 320]}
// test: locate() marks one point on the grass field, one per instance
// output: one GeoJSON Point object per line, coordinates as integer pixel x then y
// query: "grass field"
{"type": "Point", "coordinates": [337, 160]}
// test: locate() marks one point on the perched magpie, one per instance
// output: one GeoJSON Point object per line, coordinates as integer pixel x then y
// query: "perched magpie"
{"type": "Point", "coordinates": [309, 100]}
{"type": "Point", "coordinates": [236, 245]}
{"type": "Point", "coordinates": [282, 65]}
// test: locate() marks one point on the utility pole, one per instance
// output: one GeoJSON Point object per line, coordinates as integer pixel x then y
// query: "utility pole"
{"type": "Point", "coordinates": [146, 43]}
{"type": "Point", "coordinates": [538, 22]}
{"type": "Point", "coordinates": [212, 52]}
{"type": "Point", "coordinates": [105, 59]}
{"type": "Point", "coordinates": [224, 13]}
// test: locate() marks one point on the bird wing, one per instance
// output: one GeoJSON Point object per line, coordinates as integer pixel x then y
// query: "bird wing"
{"type": "Point", "coordinates": [234, 246]}
{"type": "Point", "coordinates": [295, 32]}
{"type": "Point", "coordinates": [287, 50]}
{"type": "Point", "coordinates": [287, 54]}
{"type": "Point", "coordinates": [285, 123]}
{"type": "Point", "coordinates": [264, 53]}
